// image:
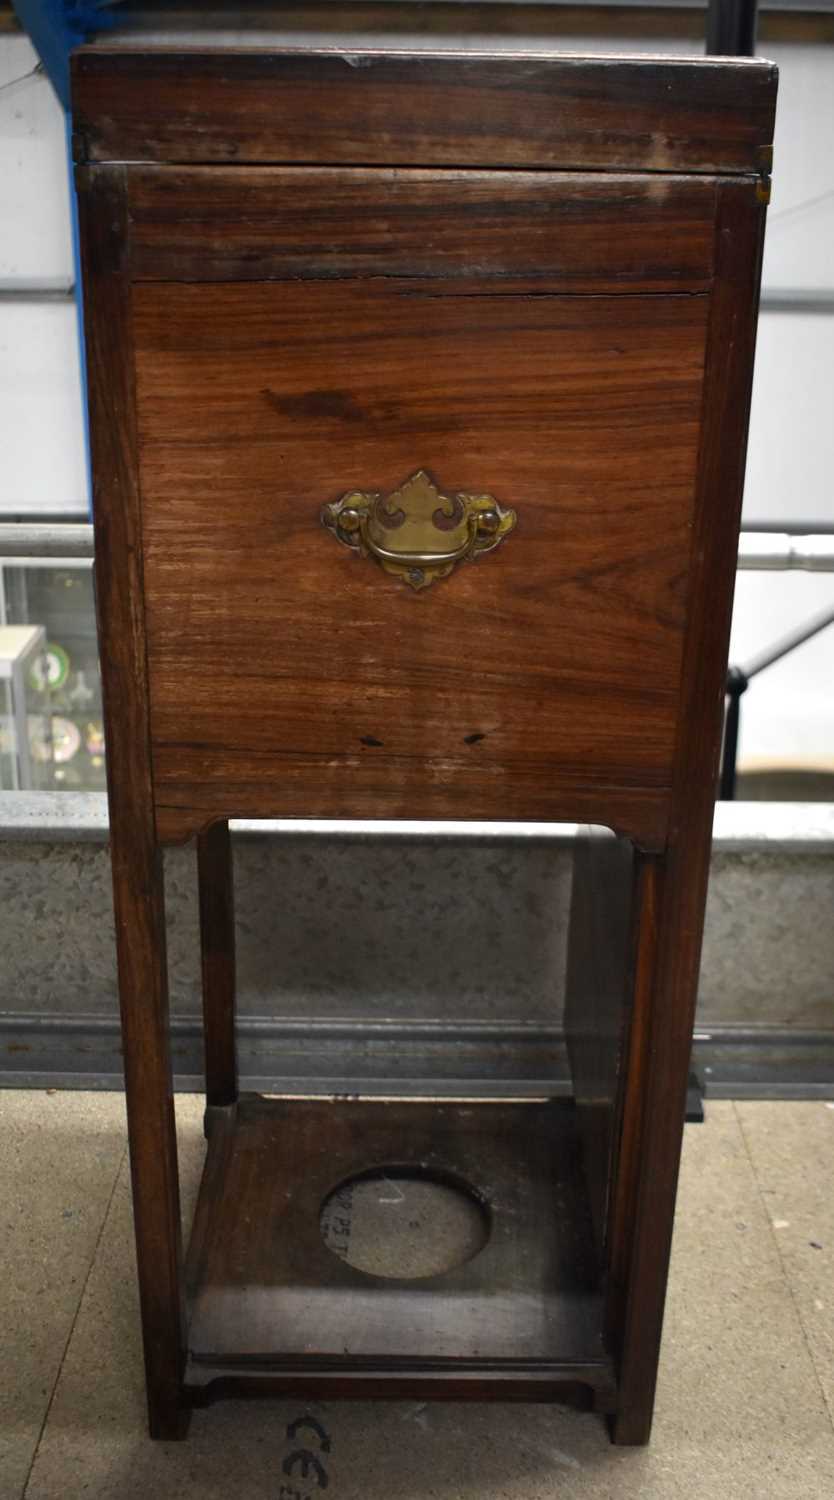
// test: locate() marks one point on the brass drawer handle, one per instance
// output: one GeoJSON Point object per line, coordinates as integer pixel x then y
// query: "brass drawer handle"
{"type": "Point", "coordinates": [402, 531]}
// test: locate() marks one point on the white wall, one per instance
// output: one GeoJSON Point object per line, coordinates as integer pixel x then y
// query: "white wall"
{"type": "Point", "coordinates": [42, 463]}
{"type": "Point", "coordinates": [789, 713]}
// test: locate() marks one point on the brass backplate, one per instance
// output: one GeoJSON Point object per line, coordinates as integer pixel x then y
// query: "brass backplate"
{"type": "Point", "coordinates": [416, 533]}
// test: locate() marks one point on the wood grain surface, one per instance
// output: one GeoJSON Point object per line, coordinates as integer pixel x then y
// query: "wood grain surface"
{"type": "Point", "coordinates": [136, 858]}
{"type": "Point", "coordinates": [510, 108]}
{"type": "Point", "coordinates": [266, 1290]}
{"type": "Point", "coordinates": [580, 231]}
{"type": "Point", "coordinates": [291, 677]}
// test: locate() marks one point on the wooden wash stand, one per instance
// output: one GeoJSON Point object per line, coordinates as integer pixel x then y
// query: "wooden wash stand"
{"type": "Point", "coordinates": [419, 388]}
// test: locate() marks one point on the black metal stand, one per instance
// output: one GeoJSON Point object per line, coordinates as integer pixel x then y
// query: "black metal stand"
{"type": "Point", "coordinates": [694, 1100]}
{"type": "Point", "coordinates": [738, 681]}
{"type": "Point", "coordinates": [731, 27]}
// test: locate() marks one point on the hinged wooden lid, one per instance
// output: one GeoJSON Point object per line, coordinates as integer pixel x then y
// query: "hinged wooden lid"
{"type": "Point", "coordinates": [421, 108]}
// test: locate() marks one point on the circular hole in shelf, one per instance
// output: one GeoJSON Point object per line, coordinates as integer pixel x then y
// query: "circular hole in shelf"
{"type": "Point", "coordinates": [404, 1222]}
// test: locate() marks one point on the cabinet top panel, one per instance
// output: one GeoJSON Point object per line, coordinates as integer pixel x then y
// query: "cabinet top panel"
{"type": "Point", "coordinates": [497, 108]}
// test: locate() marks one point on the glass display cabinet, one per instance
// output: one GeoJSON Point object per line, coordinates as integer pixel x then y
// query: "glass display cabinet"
{"type": "Point", "coordinates": [54, 595]}
{"type": "Point", "coordinates": [26, 745]}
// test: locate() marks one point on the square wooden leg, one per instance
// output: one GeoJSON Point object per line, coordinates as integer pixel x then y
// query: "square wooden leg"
{"type": "Point", "coordinates": [669, 894]}
{"type": "Point", "coordinates": [631, 991]}
{"type": "Point", "coordinates": [143, 986]}
{"type": "Point", "coordinates": [217, 948]}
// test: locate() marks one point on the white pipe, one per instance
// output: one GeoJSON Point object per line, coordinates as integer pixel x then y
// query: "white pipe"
{"type": "Point", "coordinates": [778, 552]}
{"type": "Point", "coordinates": [26, 542]}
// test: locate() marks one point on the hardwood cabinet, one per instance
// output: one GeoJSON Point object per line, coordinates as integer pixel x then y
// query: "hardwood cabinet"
{"type": "Point", "coordinates": [490, 319]}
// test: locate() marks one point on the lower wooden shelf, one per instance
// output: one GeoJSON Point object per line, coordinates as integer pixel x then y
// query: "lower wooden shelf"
{"type": "Point", "coordinates": [272, 1308]}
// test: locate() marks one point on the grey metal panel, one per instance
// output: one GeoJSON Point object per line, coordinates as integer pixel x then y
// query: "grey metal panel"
{"type": "Point", "coordinates": [411, 1060]}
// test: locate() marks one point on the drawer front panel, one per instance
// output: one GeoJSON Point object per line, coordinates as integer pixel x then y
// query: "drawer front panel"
{"type": "Point", "coordinates": [291, 676]}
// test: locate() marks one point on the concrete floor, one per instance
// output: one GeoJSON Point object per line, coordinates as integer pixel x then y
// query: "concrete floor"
{"type": "Point", "coordinates": [746, 1395]}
